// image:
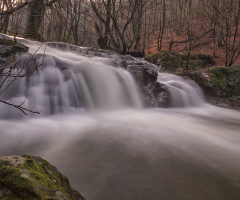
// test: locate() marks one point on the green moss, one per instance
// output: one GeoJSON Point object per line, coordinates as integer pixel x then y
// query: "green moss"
{"type": "Point", "coordinates": [12, 48]}
{"type": "Point", "coordinates": [205, 57]}
{"type": "Point", "coordinates": [11, 51]}
{"type": "Point", "coordinates": [16, 186]}
{"type": "Point", "coordinates": [227, 79]}
{"type": "Point", "coordinates": [200, 79]}
{"type": "Point", "coordinates": [153, 57]}
{"type": "Point", "coordinates": [32, 179]}
{"type": "Point", "coordinates": [166, 59]}
{"type": "Point", "coordinates": [47, 176]}
{"type": "Point", "coordinates": [223, 82]}
{"type": "Point", "coordinates": [170, 60]}
{"type": "Point", "coordinates": [7, 42]}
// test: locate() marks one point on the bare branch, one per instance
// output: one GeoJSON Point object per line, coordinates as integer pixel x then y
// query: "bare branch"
{"type": "Point", "coordinates": [22, 109]}
{"type": "Point", "coordinates": [12, 10]}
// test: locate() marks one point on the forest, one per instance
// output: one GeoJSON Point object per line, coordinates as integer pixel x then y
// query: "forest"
{"type": "Point", "coordinates": [206, 26]}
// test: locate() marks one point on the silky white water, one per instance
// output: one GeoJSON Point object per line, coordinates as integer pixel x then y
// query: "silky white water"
{"type": "Point", "coordinates": [129, 154]}
{"type": "Point", "coordinates": [93, 128]}
{"type": "Point", "coordinates": [67, 82]}
{"type": "Point", "coordinates": [184, 92]}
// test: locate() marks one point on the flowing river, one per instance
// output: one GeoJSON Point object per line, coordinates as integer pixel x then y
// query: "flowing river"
{"type": "Point", "coordinates": [95, 130]}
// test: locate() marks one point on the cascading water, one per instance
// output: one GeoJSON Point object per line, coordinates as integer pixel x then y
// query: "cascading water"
{"type": "Point", "coordinates": [184, 92]}
{"type": "Point", "coordinates": [122, 153]}
{"type": "Point", "coordinates": [67, 82]}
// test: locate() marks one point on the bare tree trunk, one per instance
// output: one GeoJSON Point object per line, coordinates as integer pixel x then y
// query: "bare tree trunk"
{"type": "Point", "coordinates": [189, 32]}
{"type": "Point", "coordinates": [34, 20]}
{"type": "Point", "coordinates": [162, 29]}
{"type": "Point", "coordinates": [4, 27]}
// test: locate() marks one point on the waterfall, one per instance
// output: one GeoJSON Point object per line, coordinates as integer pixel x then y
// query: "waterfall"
{"type": "Point", "coordinates": [72, 79]}
{"type": "Point", "coordinates": [189, 151]}
{"type": "Point", "coordinates": [69, 82]}
{"type": "Point", "coordinates": [184, 92]}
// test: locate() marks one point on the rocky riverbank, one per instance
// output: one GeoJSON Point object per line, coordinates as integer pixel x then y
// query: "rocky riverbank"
{"type": "Point", "coordinates": [220, 84]}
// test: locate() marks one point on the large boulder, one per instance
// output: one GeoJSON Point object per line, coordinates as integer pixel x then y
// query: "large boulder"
{"type": "Point", "coordinates": [29, 177]}
{"type": "Point", "coordinates": [154, 93]}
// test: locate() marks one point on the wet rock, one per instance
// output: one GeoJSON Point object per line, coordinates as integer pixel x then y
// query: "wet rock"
{"type": "Point", "coordinates": [30, 177]}
{"type": "Point", "coordinates": [162, 95]}
{"type": "Point", "coordinates": [8, 51]}
{"type": "Point", "coordinates": [154, 94]}
{"type": "Point", "coordinates": [90, 51]}
{"type": "Point", "coordinates": [145, 74]}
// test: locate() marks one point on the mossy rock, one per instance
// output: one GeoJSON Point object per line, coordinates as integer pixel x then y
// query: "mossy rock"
{"type": "Point", "coordinates": [170, 61]}
{"type": "Point", "coordinates": [32, 178]}
{"type": "Point", "coordinates": [8, 51]}
{"type": "Point", "coordinates": [225, 80]}
{"type": "Point", "coordinates": [10, 47]}
{"type": "Point", "coordinates": [217, 81]}
{"type": "Point", "coordinates": [166, 60]}
{"type": "Point", "coordinates": [7, 42]}
{"type": "Point", "coordinates": [199, 78]}
{"type": "Point", "coordinates": [221, 85]}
